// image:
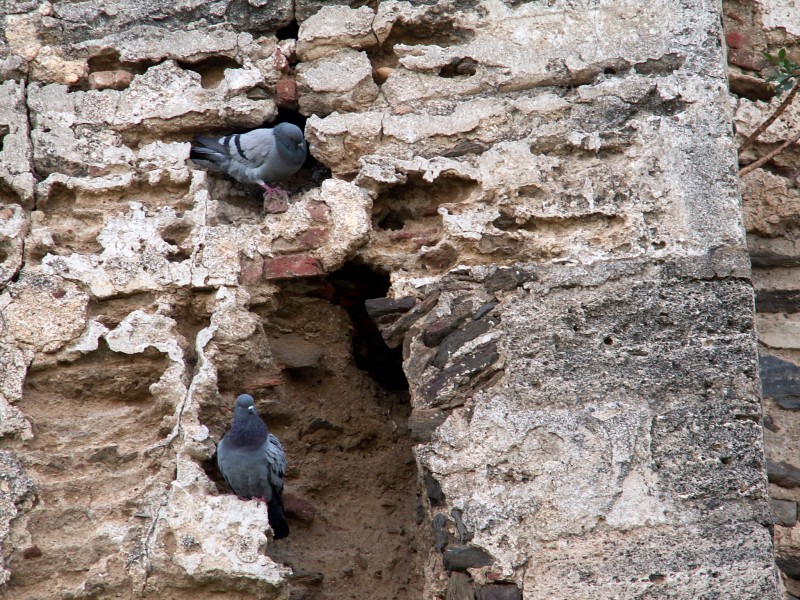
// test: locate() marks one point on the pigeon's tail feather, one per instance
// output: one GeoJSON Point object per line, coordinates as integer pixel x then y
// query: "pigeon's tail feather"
{"type": "Point", "coordinates": [209, 149]}
{"type": "Point", "coordinates": [277, 518]}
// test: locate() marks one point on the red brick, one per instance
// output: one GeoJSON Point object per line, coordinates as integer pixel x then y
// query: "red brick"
{"type": "Point", "coordinates": [746, 58]}
{"type": "Point", "coordinates": [734, 39]}
{"type": "Point", "coordinates": [318, 211]}
{"type": "Point", "coordinates": [313, 237]}
{"type": "Point", "coordinates": [287, 91]}
{"type": "Point", "coordinates": [287, 267]}
{"type": "Point", "coordinates": [281, 61]}
{"type": "Point", "coordinates": [322, 289]}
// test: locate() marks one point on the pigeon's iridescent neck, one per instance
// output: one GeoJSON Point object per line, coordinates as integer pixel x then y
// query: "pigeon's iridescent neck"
{"type": "Point", "coordinates": [247, 431]}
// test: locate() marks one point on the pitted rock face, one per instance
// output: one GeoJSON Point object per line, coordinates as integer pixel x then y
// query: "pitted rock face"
{"type": "Point", "coordinates": [538, 198]}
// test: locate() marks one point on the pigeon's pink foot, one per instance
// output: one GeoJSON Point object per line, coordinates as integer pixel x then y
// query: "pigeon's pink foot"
{"type": "Point", "coordinates": [269, 191]}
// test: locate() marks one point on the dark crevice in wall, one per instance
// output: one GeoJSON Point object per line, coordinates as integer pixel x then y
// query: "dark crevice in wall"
{"type": "Point", "coordinates": [211, 70]}
{"type": "Point", "coordinates": [4, 131]}
{"type": "Point", "coordinates": [289, 32]}
{"type": "Point", "coordinates": [350, 494]}
{"type": "Point", "coordinates": [353, 285]}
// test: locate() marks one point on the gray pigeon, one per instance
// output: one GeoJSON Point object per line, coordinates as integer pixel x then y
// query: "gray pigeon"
{"type": "Point", "coordinates": [258, 156]}
{"type": "Point", "coordinates": [251, 460]}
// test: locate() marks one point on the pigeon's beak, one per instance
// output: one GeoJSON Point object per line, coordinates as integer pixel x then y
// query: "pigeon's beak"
{"type": "Point", "coordinates": [252, 409]}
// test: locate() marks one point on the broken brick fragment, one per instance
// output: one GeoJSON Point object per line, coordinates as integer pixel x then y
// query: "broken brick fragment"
{"type": "Point", "coordinates": [287, 267]}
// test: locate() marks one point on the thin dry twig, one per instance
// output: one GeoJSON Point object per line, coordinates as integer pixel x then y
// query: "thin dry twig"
{"type": "Point", "coordinates": [754, 165]}
{"type": "Point", "coordinates": [772, 118]}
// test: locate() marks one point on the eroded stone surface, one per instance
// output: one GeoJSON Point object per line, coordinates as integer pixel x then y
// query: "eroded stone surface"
{"type": "Point", "coordinates": [551, 190]}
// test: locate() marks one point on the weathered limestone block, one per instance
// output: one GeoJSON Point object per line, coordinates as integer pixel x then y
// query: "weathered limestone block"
{"type": "Point", "coordinates": [779, 330]}
{"type": "Point", "coordinates": [770, 204]}
{"type": "Point", "coordinates": [16, 150]}
{"type": "Point", "coordinates": [27, 38]}
{"type": "Point", "coordinates": [339, 140]}
{"type": "Point", "coordinates": [44, 312]}
{"type": "Point", "coordinates": [147, 249]}
{"type": "Point", "coordinates": [16, 489]}
{"type": "Point", "coordinates": [629, 432]}
{"type": "Point", "coordinates": [334, 27]}
{"type": "Point", "coordinates": [114, 428]}
{"type": "Point", "coordinates": [213, 539]}
{"type": "Point", "coordinates": [13, 227]}
{"type": "Point", "coordinates": [780, 14]}
{"type": "Point", "coordinates": [90, 20]}
{"type": "Point", "coordinates": [134, 256]}
{"type": "Point", "coordinates": [148, 43]}
{"type": "Point", "coordinates": [166, 92]}
{"type": "Point", "coordinates": [165, 99]}
{"type": "Point", "coordinates": [551, 190]}
{"type": "Point", "coordinates": [349, 208]}
{"type": "Point", "coordinates": [339, 82]}
{"type": "Point", "coordinates": [749, 114]}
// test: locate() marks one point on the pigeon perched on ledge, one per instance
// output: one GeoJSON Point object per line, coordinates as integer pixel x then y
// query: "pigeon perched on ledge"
{"type": "Point", "coordinates": [252, 461]}
{"type": "Point", "coordinates": [258, 156]}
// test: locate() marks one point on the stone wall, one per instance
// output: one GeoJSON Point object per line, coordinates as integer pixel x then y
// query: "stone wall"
{"type": "Point", "coordinates": [771, 200]}
{"type": "Point", "coordinates": [539, 201]}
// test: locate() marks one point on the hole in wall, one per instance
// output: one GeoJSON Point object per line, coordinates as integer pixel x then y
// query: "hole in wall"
{"type": "Point", "coordinates": [111, 311]}
{"type": "Point", "coordinates": [8, 195]}
{"type": "Point", "coordinates": [440, 31]}
{"type": "Point", "coordinates": [211, 70]}
{"type": "Point", "coordinates": [289, 32]}
{"type": "Point", "coordinates": [782, 165]}
{"type": "Point", "coordinates": [417, 201]}
{"type": "Point", "coordinates": [350, 496]}
{"type": "Point", "coordinates": [109, 60]}
{"type": "Point", "coordinates": [178, 235]}
{"type": "Point", "coordinates": [4, 131]}
{"type": "Point", "coordinates": [104, 374]}
{"type": "Point", "coordinates": [353, 285]}
{"type": "Point", "coordinates": [407, 224]}
{"type": "Point", "coordinates": [751, 88]}
{"type": "Point", "coordinates": [109, 75]}
{"type": "Point", "coordinates": [459, 68]}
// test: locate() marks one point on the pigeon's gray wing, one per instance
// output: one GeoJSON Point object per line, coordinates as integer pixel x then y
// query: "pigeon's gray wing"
{"type": "Point", "coordinates": [224, 464]}
{"type": "Point", "coordinates": [251, 156]}
{"type": "Point", "coordinates": [254, 147]}
{"type": "Point", "coordinates": [211, 151]}
{"type": "Point", "coordinates": [276, 463]}
{"type": "Point", "coordinates": [244, 156]}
